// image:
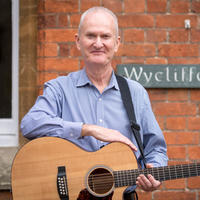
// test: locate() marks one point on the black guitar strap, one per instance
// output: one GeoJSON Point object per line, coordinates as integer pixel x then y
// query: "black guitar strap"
{"type": "Point", "coordinates": [128, 104]}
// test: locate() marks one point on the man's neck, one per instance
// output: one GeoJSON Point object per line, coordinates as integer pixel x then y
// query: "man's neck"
{"type": "Point", "coordinates": [99, 76]}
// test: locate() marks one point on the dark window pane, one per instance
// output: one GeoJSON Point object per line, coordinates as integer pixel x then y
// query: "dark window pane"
{"type": "Point", "coordinates": [5, 59]}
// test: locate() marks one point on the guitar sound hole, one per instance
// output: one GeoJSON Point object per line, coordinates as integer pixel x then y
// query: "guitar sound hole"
{"type": "Point", "coordinates": [100, 182]}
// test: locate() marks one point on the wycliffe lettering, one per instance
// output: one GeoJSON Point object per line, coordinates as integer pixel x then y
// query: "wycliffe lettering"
{"type": "Point", "coordinates": [163, 75]}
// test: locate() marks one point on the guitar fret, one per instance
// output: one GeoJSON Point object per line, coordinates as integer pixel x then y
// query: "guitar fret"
{"type": "Point", "coordinates": [120, 180]}
{"type": "Point", "coordinates": [193, 170]}
{"type": "Point", "coordinates": [128, 177]}
{"type": "Point", "coordinates": [167, 173]}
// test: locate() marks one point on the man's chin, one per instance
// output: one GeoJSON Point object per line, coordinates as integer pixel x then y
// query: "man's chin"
{"type": "Point", "coordinates": [98, 62]}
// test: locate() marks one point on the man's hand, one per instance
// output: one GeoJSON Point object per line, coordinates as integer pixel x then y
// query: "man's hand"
{"type": "Point", "coordinates": [148, 183]}
{"type": "Point", "coordinates": [106, 135]}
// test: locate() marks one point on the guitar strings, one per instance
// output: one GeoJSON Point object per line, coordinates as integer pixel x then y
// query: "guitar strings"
{"type": "Point", "coordinates": [131, 175]}
{"type": "Point", "coordinates": [103, 180]}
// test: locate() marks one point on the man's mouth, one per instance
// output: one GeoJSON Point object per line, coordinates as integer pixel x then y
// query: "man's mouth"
{"type": "Point", "coordinates": [97, 52]}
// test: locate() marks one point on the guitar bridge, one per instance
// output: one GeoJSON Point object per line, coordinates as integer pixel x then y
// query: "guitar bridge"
{"type": "Point", "coordinates": [62, 183]}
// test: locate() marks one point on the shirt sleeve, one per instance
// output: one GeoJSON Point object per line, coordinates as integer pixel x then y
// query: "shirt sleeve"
{"type": "Point", "coordinates": [44, 118]}
{"type": "Point", "coordinates": [155, 149]}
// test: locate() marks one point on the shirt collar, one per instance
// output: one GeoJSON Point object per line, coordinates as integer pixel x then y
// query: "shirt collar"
{"type": "Point", "coordinates": [84, 80]}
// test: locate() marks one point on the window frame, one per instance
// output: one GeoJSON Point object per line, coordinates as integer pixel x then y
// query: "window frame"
{"type": "Point", "coordinates": [9, 128]}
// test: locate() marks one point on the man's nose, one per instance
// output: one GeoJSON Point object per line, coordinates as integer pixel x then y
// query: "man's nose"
{"type": "Point", "coordinates": [98, 42]}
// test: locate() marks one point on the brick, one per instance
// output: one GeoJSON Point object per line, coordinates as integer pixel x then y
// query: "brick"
{"type": "Point", "coordinates": [195, 95]}
{"type": "Point", "coordinates": [156, 60]}
{"type": "Point", "coordinates": [63, 21]}
{"type": "Point", "coordinates": [193, 123]}
{"type": "Point", "coordinates": [41, 36]}
{"type": "Point", "coordinates": [195, 6]}
{"type": "Point", "coordinates": [177, 162]}
{"type": "Point", "coordinates": [176, 152]}
{"type": "Point", "coordinates": [86, 4]}
{"type": "Point", "coordinates": [194, 152]}
{"type": "Point", "coordinates": [136, 60]}
{"type": "Point", "coordinates": [175, 184]}
{"type": "Point", "coordinates": [58, 64]}
{"type": "Point", "coordinates": [175, 195]}
{"type": "Point", "coordinates": [73, 51]}
{"type": "Point", "coordinates": [157, 94]}
{"type": "Point", "coordinates": [195, 35]}
{"type": "Point", "coordinates": [179, 35]}
{"type": "Point", "coordinates": [41, 6]}
{"type": "Point", "coordinates": [140, 21]}
{"type": "Point", "coordinates": [181, 95]}
{"type": "Point", "coordinates": [60, 35]}
{"type": "Point", "coordinates": [47, 50]}
{"type": "Point", "coordinates": [176, 123]}
{"type": "Point", "coordinates": [46, 21]}
{"type": "Point", "coordinates": [114, 5]}
{"type": "Point", "coordinates": [57, 6]}
{"type": "Point", "coordinates": [174, 21]}
{"type": "Point", "coordinates": [136, 50]}
{"type": "Point", "coordinates": [64, 49]}
{"type": "Point", "coordinates": [188, 60]}
{"type": "Point", "coordinates": [179, 6]}
{"type": "Point", "coordinates": [156, 36]}
{"type": "Point", "coordinates": [178, 50]}
{"type": "Point", "coordinates": [161, 122]}
{"type": "Point", "coordinates": [134, 6]}
{"type": "Point", "coordinates": [194, 183]}
{"type": "Point", "coordinates": [156, 6]}
{"type": "Point", "coordinates": [44, 77]}
{"type": "Point", "coordinates": [74, 20]}
{"type": "Point", "coordinates": [181, 138]}
{"type": "Point", "coordinates": [174, 109]}
{"type": "Point", "coordinates": [133, 35]}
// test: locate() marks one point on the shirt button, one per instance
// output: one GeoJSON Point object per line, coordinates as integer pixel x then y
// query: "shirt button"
{"type": "Point", "coordinates": [100, 120]}
{"type": "Point", "coordinates": [100, 99]}
{"type": "Point", "coordinates": [71, 134]}
{"type": "Point", "coordinates": [101, 142]}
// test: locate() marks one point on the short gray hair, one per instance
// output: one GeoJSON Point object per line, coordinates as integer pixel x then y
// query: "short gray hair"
{"type": "Point", "coordinates": [95, 9]}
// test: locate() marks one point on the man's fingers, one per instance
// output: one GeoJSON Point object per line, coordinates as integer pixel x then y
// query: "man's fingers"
{"type": "Point", "coordinates": [155, 184]}
{"type": "Point", "coordinates": [133, 147]}
{"type": "Point", "coordinates": [129, 143]}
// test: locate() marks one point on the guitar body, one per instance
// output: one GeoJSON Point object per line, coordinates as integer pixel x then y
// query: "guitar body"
{"type": "Point", "coordinates": [35, 167]}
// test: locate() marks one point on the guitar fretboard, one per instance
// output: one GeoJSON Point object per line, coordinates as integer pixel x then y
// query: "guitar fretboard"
{"type": "Point", "coordinates": [128, 177]}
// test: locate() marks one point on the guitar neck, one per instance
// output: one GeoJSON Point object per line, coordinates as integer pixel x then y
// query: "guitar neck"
{"type": "Point", "coordinates": [128, 177]}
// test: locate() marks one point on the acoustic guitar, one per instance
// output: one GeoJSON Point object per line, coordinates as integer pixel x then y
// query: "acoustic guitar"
{"type": "Point", "coordinates": [51, 168]}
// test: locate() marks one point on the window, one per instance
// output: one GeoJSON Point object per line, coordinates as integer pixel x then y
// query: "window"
{"type": "Point", "coordinates": [9, 10]}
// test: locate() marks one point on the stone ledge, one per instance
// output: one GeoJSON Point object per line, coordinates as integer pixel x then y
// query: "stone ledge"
{"type": "Point", "coordinates": [7, 155]}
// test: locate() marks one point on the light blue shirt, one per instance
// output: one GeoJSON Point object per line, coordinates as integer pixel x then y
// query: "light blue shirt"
{"type": "Point", "coordinates": [69, 101]}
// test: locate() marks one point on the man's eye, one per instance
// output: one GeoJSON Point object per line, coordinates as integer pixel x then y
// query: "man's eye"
{"type": "Point", "coordinates": [91, 36]}
{"type": "Point", "coordinates": [105, 36]}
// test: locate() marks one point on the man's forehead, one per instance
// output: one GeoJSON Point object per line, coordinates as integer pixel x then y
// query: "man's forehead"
{"type": "Point", "coordinates": [92, 16]}
{"type": "Point", "coordinates": [98, 20]}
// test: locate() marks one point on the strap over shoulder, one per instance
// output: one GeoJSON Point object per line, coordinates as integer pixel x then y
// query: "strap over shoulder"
{"type": "Point", "coordinates": [128, 104]}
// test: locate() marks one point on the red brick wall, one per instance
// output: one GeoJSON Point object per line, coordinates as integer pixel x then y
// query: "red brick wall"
{"type": "Point", "coordinates": [152, 32]}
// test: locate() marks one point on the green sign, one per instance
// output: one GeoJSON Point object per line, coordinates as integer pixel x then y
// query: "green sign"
{"type": "Point", "coordinates": [162, 76]}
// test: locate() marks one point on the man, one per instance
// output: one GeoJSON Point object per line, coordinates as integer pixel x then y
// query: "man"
{"type": "Point", "coordinates": [86, 108]}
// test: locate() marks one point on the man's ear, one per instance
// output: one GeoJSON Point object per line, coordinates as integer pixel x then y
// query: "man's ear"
{"type": "Point", "coordinates": [117, 43]}
{"type": "Point", "coordinates": [77, 39]}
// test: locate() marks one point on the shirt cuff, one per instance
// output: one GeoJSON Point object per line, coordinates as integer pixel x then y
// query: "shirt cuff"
{"type": "Point", "coordinates": [72, 130]}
